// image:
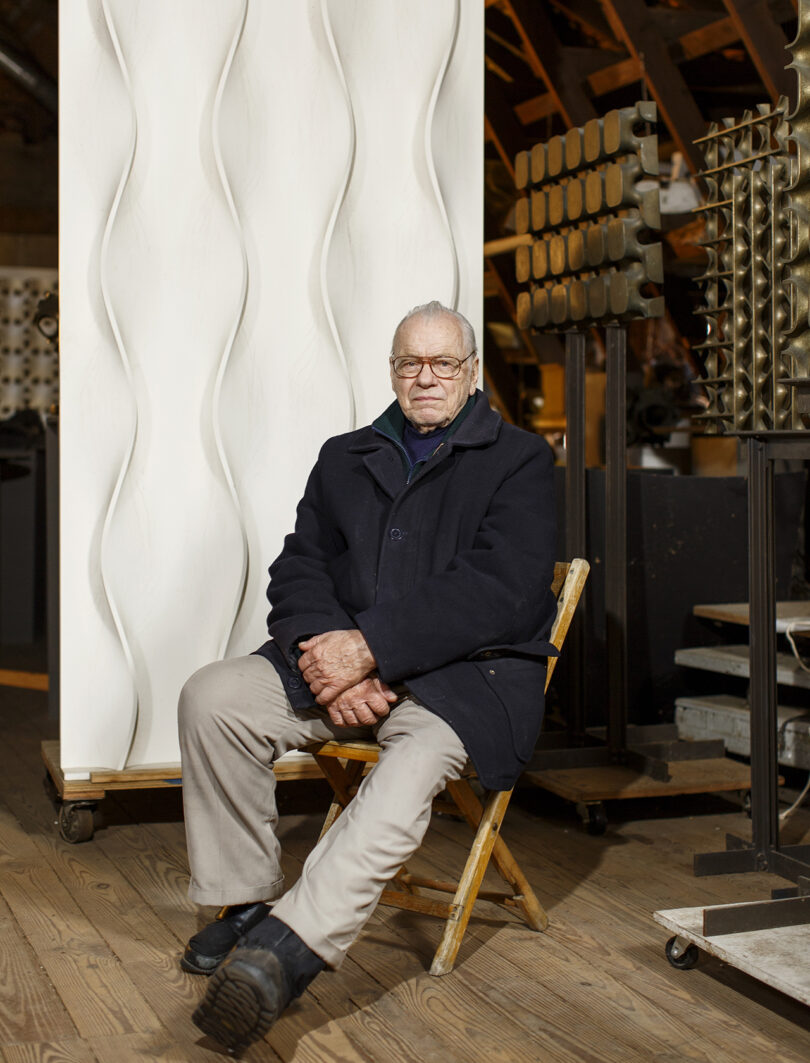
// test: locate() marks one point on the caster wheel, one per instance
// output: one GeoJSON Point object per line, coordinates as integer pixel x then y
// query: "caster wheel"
{"type": "Point", "coordinates": [682, 955]}
{"type": "Point", "coordinates": [593, 817]}
{"type": "Point", "coordinates": [595, 820]}
{"type": "Point", "coordinates": [75, 822]}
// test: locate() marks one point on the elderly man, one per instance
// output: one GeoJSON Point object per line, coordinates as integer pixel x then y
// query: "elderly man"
{"type": "Point", "coordinates": [411, 604]}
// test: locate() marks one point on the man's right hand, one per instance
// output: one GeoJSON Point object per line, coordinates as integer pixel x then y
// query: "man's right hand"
{"type": "Point", "coordinates": [363, 704]}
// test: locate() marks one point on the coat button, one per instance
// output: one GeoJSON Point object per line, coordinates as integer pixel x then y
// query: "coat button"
{"type": "Point", "coordinates": [395, 533]}
{"type": "Point", "coordinates": [294, 683]}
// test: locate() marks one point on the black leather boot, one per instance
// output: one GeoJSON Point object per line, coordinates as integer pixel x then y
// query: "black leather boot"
{"type": "Point", "coordinates": [268, 969]}
{"type": "Point", "coordinates": [209, 946]}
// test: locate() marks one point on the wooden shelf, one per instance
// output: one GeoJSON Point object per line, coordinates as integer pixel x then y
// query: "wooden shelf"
{"type": "Point", "coordinates": [737, 613]}
{"type": "Point", "coordinates": [733, 660]}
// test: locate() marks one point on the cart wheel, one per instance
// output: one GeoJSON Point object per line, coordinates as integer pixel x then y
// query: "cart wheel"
{"type": "Point", "coordinates": [681, 954]}
{"type": "Point", "coordinates": [593, 816]}
{"type": "Point", "coordinates": [76, 822]}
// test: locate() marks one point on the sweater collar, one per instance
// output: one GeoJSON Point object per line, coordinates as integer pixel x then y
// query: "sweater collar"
{"type": "Point", "coordinates": [474, 425]}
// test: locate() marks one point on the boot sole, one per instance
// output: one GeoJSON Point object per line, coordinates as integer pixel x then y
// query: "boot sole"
{"type": "Point", "coordinates": [243, 1000]}
{"type": "Point", "coordinates": [189, 965]}
{"type": "Point", "coordinates": [189, 959]}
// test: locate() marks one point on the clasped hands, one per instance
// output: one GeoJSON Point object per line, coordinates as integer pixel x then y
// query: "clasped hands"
{"type": "Point", "coordinates": [336, 667]}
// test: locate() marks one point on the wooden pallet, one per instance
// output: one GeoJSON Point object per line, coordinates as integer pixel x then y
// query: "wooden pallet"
{"type": "Point", "coordinates": [588, 787]}
{"type": "Point", "coordinates": [96, 787]}
{"type": "Point", "coordinates": [776, 956]}
{"type": "Point", "coordinates": [613, 782]}
{"type": "Point", "coordinates": [76, 798]}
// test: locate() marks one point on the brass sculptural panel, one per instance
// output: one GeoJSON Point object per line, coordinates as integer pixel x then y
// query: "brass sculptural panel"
{"type": "Point", "coordinates": [756, 287]}
{"type": "Point", "coordinates": [747, 289]}
{"type": "Point", "coordinates": [590, 208]}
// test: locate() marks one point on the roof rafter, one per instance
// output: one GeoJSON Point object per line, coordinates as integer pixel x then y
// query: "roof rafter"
{"type": "Point", "coordinates": [632, 22]}
{"type": "Point", "coordinates": [614, 76]}
{"type": "Point", "coordinates": [545, 54]}
{"type": "Point", "coordinates": [765, 42]}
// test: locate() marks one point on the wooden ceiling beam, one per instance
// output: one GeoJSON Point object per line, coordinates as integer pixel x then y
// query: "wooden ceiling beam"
{"type": "Point", "coordinates": [502, 381]}
{"type": "Point", "coordinates": [506, 133]}
{"type": "Point", "coordinates": [545, 55]}
{"type": "Point", "coordinates": [614, 76]}
{"type": "Point", "coordinates": [764, 41]}
{"type": "Point", "coordinates": [587, 14]}
{"type": "Point", "coordinates": [500, 124]}
{"type": "Point", "coordinates": [709, 38]}
{"type": "Point", "coordinates": [676, 105]}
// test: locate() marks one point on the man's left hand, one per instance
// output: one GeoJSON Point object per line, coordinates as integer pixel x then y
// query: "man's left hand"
{"type": "Point", "coordinates": [365, 703]}
{"type": "Point", "coordinates": [333, 662]}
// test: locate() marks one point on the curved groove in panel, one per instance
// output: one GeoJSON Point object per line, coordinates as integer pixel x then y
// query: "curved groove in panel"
{"type": "Point", "coordinates": [119, 343]}
{"type": "Point", "coordinates": [237, 324]}
{"type": "Point", "coordinates": [338, 204]}
{"type": "Point", "coordinates": [434, 180]}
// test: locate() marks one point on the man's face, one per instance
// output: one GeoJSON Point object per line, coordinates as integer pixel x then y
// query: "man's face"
{"type": "Point", "coordinates": [427, 400]}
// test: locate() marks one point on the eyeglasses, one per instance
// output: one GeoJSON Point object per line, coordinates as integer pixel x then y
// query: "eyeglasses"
{"type": "Point", "coordinates": [444, 367]}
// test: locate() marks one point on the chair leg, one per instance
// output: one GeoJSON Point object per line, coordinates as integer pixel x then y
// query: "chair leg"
{"type": "Point", "coordinates": [523, 895]}
{"type": "Point", "coordinates": [471, 878]}
{"type": "Point", "coordinates": [401, 883]}
{"type": "Point", "coordinates": [341, 779]}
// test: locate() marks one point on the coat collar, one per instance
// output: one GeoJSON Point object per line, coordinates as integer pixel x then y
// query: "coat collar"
{"type": "Point", "coordinates": [479, 427]}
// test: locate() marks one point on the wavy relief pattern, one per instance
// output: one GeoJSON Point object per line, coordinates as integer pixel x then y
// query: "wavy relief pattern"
{"type": "Point", "coordinates": [237, 323]}
{"type": "Point", "coordinates": [112, 504]}
{"type": "Point", "coordinates": [434, 180]}
{"type": "Point", "coordinates": [338, 205]}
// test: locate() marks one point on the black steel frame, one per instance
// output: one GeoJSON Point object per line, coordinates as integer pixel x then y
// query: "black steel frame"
{"type": "Point", "coordinates": [577, 748]}
{"type": "Point", "coordinates": [764, 852]}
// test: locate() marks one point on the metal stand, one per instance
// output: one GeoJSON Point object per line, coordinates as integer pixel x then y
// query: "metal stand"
{"type": "Point", "coordinates": [616, 537]}
{"type": "Point", "coordinates": [647, 750]}
{"type": "Point", "coordinates": [575, 519]}
{"type": "Point", "coordinates": [764, 852]}
{"type": "Point", "coordinates": [615, 534]}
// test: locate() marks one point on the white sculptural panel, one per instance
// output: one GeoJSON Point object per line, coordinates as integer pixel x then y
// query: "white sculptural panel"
{"type": "Point", "coordinates": [252, 194]}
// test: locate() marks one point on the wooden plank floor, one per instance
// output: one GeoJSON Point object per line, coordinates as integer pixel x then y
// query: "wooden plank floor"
{"type": "Point", "coordinates": [90, 937]}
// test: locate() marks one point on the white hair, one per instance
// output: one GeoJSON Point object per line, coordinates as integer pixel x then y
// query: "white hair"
{"type": "Point", "coordinates": [436, 309]}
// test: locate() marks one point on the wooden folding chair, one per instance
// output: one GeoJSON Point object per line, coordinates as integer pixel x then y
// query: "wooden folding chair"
{"type": "Point", "coordinates": [343, 764]}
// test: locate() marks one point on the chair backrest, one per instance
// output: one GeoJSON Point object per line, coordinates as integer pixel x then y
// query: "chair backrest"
{"type": "Point", "coordinates": [569, 579]}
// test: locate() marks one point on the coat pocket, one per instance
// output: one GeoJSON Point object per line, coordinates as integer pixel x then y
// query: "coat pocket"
{"type": "Point", "coordinates": [518, 684]}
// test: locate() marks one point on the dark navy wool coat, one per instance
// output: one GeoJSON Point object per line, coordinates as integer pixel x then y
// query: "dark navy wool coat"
{"type": "Point", "coordinates": [448, 576]}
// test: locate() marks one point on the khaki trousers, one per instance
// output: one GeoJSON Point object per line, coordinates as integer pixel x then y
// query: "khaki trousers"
{"type": "Point", "coordinates": [235, 721]}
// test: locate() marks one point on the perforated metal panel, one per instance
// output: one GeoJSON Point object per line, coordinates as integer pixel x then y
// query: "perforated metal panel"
{"type": "Point", "coordinates": [29, 371]}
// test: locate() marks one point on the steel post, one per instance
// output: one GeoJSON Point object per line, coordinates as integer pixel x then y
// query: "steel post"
{"type": "Point", "coordinates": [575, 518]}
{"type": "Point", "coordinates": [616, 537]}
{"type": "Point", "coordinates": [762, 651]}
